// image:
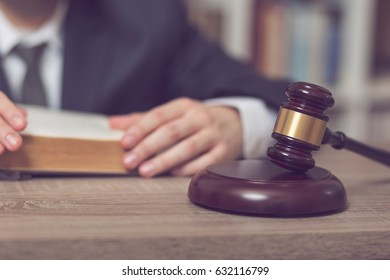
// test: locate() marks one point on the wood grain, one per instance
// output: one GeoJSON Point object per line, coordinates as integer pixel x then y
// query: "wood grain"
{"type": "Point", "coordinates": [135, 218]}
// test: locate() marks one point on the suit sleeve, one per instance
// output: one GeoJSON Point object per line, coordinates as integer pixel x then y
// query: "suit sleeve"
{"type": "Point", "coordinates": [200, 69]}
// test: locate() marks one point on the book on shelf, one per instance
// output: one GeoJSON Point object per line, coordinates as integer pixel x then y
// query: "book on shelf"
{"type": "Point", "coordinates": [272, 54]}
{"type": "Point", "coordinates": [66, 142]}
{"type": "Point", "coordinates": [381, 39]}
{"type": "Point", "coordinates": [297, 39]}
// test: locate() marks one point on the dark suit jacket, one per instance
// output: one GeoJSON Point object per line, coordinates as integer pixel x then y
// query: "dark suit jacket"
{"type": "Point", "coordinates": [123, 56]}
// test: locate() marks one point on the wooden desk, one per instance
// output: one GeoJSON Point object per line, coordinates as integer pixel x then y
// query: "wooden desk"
{"type": "Point", "coordinates": [134, 218]}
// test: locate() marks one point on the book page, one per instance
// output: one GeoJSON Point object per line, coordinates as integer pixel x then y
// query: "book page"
{"type": "Point", "coordinates": [68, 124]}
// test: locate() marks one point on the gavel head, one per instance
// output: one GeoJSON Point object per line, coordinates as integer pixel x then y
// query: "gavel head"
{"type": "Point", "coordinates": [300, 126]}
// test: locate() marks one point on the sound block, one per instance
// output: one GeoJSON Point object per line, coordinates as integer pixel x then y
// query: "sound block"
{"type": "Point", "coordinates": [262, 188]}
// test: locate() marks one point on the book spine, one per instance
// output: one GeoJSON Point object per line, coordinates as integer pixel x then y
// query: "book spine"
{"type": "Point", "coordinates": [334, 45]}
{"type": "Point", "coordinates": [298, 40]}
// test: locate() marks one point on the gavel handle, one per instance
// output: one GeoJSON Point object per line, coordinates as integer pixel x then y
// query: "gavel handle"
{"type": "Point", "coordinates": [339, 140]}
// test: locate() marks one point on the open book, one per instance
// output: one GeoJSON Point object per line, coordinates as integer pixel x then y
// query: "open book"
{"type": "Point", "coordinates": [66, 142]}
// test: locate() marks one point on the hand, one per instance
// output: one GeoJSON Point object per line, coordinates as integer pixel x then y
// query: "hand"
{"type": "Point", "coordinates": [183, 136]}
{"type": "Point", "coordinates": [12, 120]}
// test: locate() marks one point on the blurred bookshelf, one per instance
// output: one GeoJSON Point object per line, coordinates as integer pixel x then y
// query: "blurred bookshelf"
{"type": "Point", "coordinates": [235, 23]}
{"type": "Point", "coordinates": [343, 45]}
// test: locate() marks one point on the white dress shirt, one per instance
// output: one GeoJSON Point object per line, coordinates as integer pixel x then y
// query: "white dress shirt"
{"type": "Point", "coordinates": [257, 119]}
{"type": "Point", "coordinates": [52, 58]}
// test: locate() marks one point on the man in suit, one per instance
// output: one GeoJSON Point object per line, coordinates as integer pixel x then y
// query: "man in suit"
{"type": "Point", "coordinates": [173, 92]}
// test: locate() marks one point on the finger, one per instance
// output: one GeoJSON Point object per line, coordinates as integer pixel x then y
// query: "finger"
{"type": "Point", "coordinates": [22, 110]}
{"type": "Point", "coordinates": [182, 152]}
{"type": "Point", "coordinates": [2, 149]}
{"type": "Point", "coordinates": [155, 118]}
{"type": "Point", "coordinates": [192, 167]}
{"type": "Point", "coordinates": [123, 122]}
{"type": "Point", "coordinates": [9, 138]}
{"type": "Point", "coordinates": [164, 137]}
{"type": "Point", "coordinates": [11, 114]}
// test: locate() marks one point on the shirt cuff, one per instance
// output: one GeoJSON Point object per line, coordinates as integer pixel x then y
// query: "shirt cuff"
{"type": "Point", "coordinates": [257, 122]}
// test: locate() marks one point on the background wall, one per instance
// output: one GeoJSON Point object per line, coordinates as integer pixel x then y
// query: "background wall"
{"type": "Point", "coordinates": [343, 45]}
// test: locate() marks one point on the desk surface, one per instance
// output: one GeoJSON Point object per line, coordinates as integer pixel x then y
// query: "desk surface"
{"type": "Point", "coordinates": [134, 218]}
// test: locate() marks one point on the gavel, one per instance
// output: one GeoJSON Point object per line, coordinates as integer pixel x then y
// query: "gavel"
{"type": "Point", "coordinates": [287, 183]}
{"type": "Point", "coordinates": [301, 127]}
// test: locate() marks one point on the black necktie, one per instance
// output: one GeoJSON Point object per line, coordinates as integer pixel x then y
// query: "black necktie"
{"type": "Point", "coordinates": [33, 91]}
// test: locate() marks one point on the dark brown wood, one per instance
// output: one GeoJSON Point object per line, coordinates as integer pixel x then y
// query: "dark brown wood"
{"type": "Point", "coordinates": [263, 188]}
{"type": "Point", "coordinates": [339, 140]}
{"type": "Point", "coordinates": [308, 99]}
{"type": "Point", "coordinates": [296, 155]}
{"type": "Point", "coordinates": [292, 154]}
